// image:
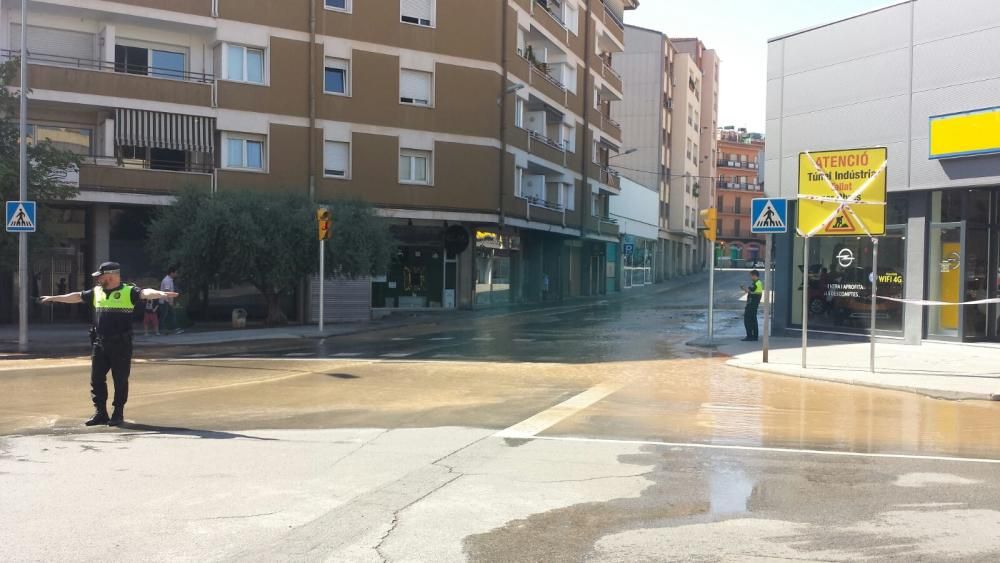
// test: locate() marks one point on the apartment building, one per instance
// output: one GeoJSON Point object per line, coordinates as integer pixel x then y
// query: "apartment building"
{"type": "Point", "coordinates": [708, 62]}
{"type": "Point", "coordinates": [740, 161]}
{"type": "Point", "coordinates": [485, 145]}
{"type": "Point", "coordinates": [662, 117]}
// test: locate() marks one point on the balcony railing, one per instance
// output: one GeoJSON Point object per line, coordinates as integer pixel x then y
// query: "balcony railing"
{"type": "Point", "coordinates": [614, 17]}
{"type": "Point", "coordinates": [546, 6]}
{"type": "Point", "coordinates": [610, 70]}
{"type": "Point", "coordinates": [542, 69]}
{"type": "Point", "coordinates": [109, 66]}
{"type": "Point", "coordinates": [738, 164]}
{"type": "Point", "coordinates": [559, 146]}
{"type": "Point", "coordinates": [740, 186]}
{"type": "Point", "coordinates": [148, 164]}
{"type": "Point", "coordinates": [540, 202]}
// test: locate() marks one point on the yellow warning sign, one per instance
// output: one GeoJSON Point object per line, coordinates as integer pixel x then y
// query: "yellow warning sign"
{"type": "Point", "coordinates": [842, 192]}
{"type": "Point", "coordinates": [840, 225]}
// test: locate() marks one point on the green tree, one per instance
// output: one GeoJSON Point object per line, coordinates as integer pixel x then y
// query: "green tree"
{"type": "Point", "coordinates": [267, 241]}
{"type": "Point", "coordinates": [47, 171]}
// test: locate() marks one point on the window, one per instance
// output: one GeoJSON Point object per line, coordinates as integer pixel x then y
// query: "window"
{"type": "Point", "coordinates": [694, 154]}
{"type": "Point", "coordinates": [572, 19]}
{"type": "Point", "coordinates": [336, 159]}
{"type": "Point", "coordinates": [415, 167]}
{"type": "Point", "coordinates": [340, 5]}
{"type": "Point", "coordinates": [149, 62]}
{"type": "Point", "coordinates": [738, 228]}
{"type": "Point", "coordinates": [245, 152]}
{"type": "Point", "coordinates": [519, 112]}
{"type": "Point", "coordinates": [569, 138]}
{"type": "Point", "coordinates": [415, 87]}
{"type": "Point", "coordinates": [718, 203]}
{"type": "Point", "coordinates": [244, 64]}
{"type": "Point", "coordinates": [519, 181]}
{"type": "Point", "coordinates": [417, 12]}
{"type": "Point", "coordinates": [568, 197]}
{"type": "Point", "coordinates": [738, 205]}
{"type": "Point", "coordinates": [74, 140]}
{"type": "Point", "coordinates": [595, 205]}
{"type": "Point", "coordinates": [335, 78]}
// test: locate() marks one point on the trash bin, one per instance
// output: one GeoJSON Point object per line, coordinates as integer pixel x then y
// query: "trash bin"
{"type": "Point", "coordinates": [239, 318]}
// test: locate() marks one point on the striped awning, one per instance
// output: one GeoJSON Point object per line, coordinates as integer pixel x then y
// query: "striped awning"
{"type": "Point", "coordinates": [158, 130]}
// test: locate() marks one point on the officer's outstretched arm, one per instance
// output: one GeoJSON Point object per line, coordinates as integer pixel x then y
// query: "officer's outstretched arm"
{"type": "Point", "coordinates": [68, 298]}
{"type": "Point", "coordinates": [150, 294]}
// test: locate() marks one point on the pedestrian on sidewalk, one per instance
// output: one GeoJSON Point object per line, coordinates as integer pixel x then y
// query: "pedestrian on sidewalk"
{"type": "Point", "coordinates": [151, 318]}
{"type": "Point", "coordinates": [754, 294]}
{"type": "Point", "coordinates": [113, 305]}
{"type": "Point", "coordinates": [168, 318]}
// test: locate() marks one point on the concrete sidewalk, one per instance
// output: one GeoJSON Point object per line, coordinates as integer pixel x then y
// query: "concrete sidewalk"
{"type": "Point", "coordinates": [947, 371]}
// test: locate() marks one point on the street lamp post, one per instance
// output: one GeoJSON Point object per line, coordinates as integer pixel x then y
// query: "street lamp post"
{"type": "Point", "coordinates": [22, 242]}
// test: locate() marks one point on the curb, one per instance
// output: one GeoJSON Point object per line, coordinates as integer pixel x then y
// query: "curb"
{"type": "Point", "coordinates": [933, 393]}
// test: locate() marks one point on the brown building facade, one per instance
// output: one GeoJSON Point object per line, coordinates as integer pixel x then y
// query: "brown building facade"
{"type": "Point", "coordinates": [739, 162]}
{"type": "Point", "coordinates": [489, 117]}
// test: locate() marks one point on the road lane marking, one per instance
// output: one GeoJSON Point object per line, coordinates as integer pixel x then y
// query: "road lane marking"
{"type": "Point", "coordinates": [524, 340]}
{"type": "Point", "coordinates": [443, 338]}
{"type": "Point", "coordinates": [346, 355]}
{"type": "Point", "coordinates": [762, 449]}
{"type": "Point", "coordinates": [398, 354]}
{"type": "Point", "coordinates": [554, 415]}
{"type": "Point", "coordinates": [484, 339]}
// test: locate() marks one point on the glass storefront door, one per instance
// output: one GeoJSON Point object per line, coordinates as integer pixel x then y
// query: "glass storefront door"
{"type": "Point", "coordinates": [944, 280]}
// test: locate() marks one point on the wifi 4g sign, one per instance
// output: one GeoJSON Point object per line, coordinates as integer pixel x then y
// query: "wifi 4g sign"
{"type": "Point", "coordinates": [842, 192]}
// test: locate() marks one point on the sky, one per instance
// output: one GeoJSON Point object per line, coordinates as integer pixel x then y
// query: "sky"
{"type": "Point", "coordinates": [738, 30]}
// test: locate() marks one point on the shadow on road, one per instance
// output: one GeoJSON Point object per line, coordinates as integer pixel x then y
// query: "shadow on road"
{"type": "Point", "coordinates": [204, 434]}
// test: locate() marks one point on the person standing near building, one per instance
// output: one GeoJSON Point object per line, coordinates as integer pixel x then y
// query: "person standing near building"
{"type": "Point", "coordinates": [113, 304]}
{"type": "Point", "coordinates": [168, 318]}
{"type": "Point", "coordinates": [754, 294]}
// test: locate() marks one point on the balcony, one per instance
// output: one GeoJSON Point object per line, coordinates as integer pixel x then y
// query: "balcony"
{"type": "Point", "coordinates": [546, 148]}
{"type": "Point", "coordinates": [722, 184]}
{"type": "Point", "coordinates": [614, 22]}
{"type": "Point", "coordinates": [726, 163]}
{"type": "Point", "coordinates": [112, 174]}
{"type": "Point", "coordinates": [547, 7]}
{"type": "Point", "coordinates": [611, 75]}
{"type": "Point", "coordinates": [611, 127]}
{"type": "Point", "coordinates": [611, 178]}
{"type": "Point", "coordinates": [602, 225]}
{"type": "Point", "coordinates": [106, 78]}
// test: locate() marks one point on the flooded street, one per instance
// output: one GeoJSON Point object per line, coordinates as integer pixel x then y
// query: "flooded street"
{"type": "Point", "coordinates": [581, 432]}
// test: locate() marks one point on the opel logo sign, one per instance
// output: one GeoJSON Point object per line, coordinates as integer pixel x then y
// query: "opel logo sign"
{"type": "Point", "coordinates": [951, 262]}
{"type": "Point", "coordinates": [845, 257]}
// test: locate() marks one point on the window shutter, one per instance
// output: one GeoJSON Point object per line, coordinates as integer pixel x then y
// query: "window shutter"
{"type": "Point", "coordinates": [415, 86]}
{"type": "Point", "coordinates": [418, 9]}
{"type": "Point", "coordinates": [56, 42]}
{"type": "Point", "coordinates": [336, 157]}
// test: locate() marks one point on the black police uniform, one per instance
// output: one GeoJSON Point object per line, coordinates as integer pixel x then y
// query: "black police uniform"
{"type": "Point", "coordinates": [111, 339]}
{"type": "Point", "coordinates": [750, 311]}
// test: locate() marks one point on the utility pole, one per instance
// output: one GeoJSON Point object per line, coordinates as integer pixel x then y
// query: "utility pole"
{"type": "Point", "coordinates": [22, 243]}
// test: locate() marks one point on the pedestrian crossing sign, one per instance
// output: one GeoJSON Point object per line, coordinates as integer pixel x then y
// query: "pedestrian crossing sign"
{"type": "Point", "coordinates": [20, 217]}
{"type": "Point", "coordinates": [769, 216]}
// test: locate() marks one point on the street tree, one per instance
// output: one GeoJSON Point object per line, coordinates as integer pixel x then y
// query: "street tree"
{"type": "Point", "coordinates": [266, 240]}
{"type": "Point", "coordinates": [48, 171]}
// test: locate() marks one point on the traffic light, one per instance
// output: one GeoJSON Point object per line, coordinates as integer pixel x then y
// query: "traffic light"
{"type": "Point", "coordinates": [324, 222]}
{"type": "Point", "coordinates": [709, 220]}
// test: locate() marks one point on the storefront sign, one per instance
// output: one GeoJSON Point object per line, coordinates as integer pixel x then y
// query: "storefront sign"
{"type": "Point", "coordinates": [967, 133]}
{"type": "Point", "coordinates": [842, 192]}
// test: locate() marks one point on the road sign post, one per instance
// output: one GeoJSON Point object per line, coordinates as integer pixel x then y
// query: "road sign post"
{"type": "Point", "coordinates": [768, 216]}
{"type": "Point", "coordinates": [871, 360]}
{"type": "Point", "coordinates": [710, 220]}
{"type": "Point", "coordinates": [323, 224]}
{"type": "Point", "coordinates": [22, 243]}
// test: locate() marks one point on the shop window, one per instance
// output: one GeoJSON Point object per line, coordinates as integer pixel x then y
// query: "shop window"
{"type": "Point", "coordinates": [839, 282]}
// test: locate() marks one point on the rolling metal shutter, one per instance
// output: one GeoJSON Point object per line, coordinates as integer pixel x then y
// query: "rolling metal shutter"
{"type": "Point", "coordinates": [347, 301]}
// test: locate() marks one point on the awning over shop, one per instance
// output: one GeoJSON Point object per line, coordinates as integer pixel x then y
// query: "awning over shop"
{"type": "Point", "coordinates": [159, 130]}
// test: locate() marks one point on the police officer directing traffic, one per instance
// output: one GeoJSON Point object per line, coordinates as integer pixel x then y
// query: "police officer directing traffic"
{"type": "Point", "coordinates": [754, 293]}
{"type": "Point", "coordinates": [113, 305]}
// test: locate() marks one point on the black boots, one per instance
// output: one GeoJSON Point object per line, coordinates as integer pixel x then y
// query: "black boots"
{"type": "Point", "coordinates": [100, 417]}
{"type": "Point", "coordinates": [117, 417]}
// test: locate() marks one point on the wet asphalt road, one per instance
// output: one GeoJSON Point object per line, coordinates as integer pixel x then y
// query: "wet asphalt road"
{"type": "Point", "coordinates": [580, 432]}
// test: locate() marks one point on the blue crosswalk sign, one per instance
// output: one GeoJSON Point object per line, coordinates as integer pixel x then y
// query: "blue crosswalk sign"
{"type": "Point", "coordinates": [769, 216]}
{"type": "Point", "coordinates": [20, 217]}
